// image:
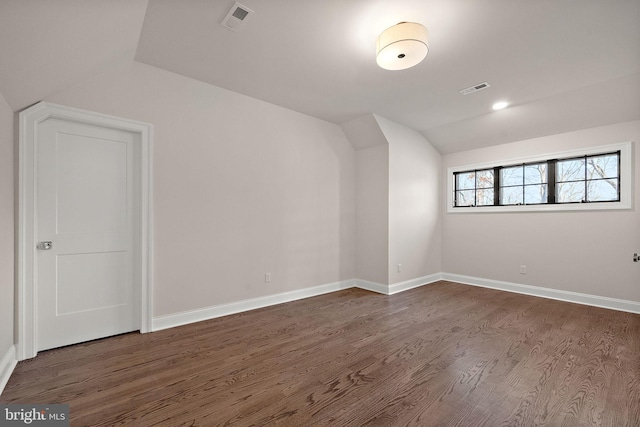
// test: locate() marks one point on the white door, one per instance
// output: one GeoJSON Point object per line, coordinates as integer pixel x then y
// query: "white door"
{"type": "Point", "coordinates": [84, 206]}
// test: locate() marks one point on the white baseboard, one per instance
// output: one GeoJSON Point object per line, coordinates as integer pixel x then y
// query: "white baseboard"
{"type": "Point", "coordinates": [7, 365]}
{"type": "Point", "coordinates": [192, 316]}
{"type": "Point", "coordinates": [414, 283]}
{"type": "Point", "coordinates": [371, 286]}
{"type": "Point", "coordinates": [537, 291]}
{"type": "Point", "coordinates": [396, 287]}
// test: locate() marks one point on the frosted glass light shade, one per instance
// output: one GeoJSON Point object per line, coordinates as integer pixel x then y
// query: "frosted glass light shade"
{"type": "Point", "coordinates": [402, 46]}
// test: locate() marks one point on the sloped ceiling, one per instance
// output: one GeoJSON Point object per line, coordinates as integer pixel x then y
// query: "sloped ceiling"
{"type": "Point", "coordinates": [563, 65]}
{"type": "Point", "coordinates": [49, 45]}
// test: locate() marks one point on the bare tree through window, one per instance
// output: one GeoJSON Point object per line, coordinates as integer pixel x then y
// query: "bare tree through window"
{"type": "Point", "coordinates": [585, 179]}
{"type": "Point", "coordinates": [524, 184]}
{"type": "Point", "coordinates": [588, 179]}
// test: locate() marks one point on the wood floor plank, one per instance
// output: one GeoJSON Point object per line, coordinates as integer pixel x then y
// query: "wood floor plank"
{"type": "Point", "coordinates": [445, 354]}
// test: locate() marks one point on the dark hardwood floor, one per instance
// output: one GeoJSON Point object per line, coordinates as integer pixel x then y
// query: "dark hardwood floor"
{"type": "Point", "coordinates": [441, 355]}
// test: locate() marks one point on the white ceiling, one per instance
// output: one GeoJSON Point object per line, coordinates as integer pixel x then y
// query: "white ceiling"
{"type": "Point", "coordinates": [563, 64]}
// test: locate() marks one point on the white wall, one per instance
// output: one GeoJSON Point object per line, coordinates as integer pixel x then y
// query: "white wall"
{"type": "Point", "coordinates": [414, 203]}
{"type": "Point", "coordinates": [587, 252]}
{"type": "Point", "coordinates": [242, 187]}
{"type": "Point", "coordinates": [373, 214]}
{"type": "Point", "coordinates": [398, 193]}
{"type": "Point", "coordinates": [6, 227]}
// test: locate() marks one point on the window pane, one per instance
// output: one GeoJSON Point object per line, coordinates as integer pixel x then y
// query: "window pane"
{"type": "Point", "coordinates": [570, 170]}
{"type": "Point", "coordinates": [602, 166]}
{"type": "Point", "coordinates": [511, 176]}
{"type": "Point", "coordinates": [465, 198]}
{"type": "Point", "coordinates": [570, 192]}
{"type": "Point", "coordinates": [465, 180]}
{"type": "Point", "coordinates": [535, 174]}
{"type": "Point", "coordinates": [484, 197]}
{"type": "Point", "coordinates": [534, 194]}
{"type": "Point", "coordinates": [602, 190]}
{"type": "Point", "coordinates": [485, 178]}
{"type": "Point", "coordinates": [511, 195]}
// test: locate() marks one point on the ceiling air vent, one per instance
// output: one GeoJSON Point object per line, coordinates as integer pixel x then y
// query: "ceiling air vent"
{"type": "Point", "coordinates": [475, 88]}
{"type": "Point", "coordinates": [236, 17]}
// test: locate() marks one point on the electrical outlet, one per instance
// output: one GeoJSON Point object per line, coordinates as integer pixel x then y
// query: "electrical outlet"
{"type": "Point", "coordinates": [399, 268]}
{"type": "Point", "coordinates": [636, 257]}
{"type": "Point", "coordinates": [267, 277]}
{"type": "Point", "coordinates": [523, 269]}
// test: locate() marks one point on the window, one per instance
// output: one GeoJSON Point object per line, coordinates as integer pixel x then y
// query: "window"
{"type": "Point", "coordinates": [588, 179]}
{"type": "Point", "coordinates": [553, 183]}
{"type": "Point", "coordinates": [475, 188]}
{"type": "Point", "coordinates": [525, 184]}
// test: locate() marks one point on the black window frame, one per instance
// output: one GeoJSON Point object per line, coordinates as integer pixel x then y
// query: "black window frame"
{"type": "Point", "coordinates": [475, 188]}
{"type": "Point", "coordinates": [586, 180]}
{"type": "Point", "coordinates": [551, 182]}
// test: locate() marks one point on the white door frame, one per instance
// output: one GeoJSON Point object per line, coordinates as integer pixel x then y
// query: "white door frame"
{"type": "Point", "coordinates": [26, 277]}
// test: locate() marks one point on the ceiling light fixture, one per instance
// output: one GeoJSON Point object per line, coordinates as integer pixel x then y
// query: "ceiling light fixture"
{"type": "Point", "coordinates": [402, 46]}
{"type": "Point", "coordinates": [500, 105]}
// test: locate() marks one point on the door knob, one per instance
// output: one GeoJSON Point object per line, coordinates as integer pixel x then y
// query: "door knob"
{"type": "Point", "coordinates": [45, 246]}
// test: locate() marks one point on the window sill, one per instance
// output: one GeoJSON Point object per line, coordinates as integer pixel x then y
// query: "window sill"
{"type": "Point", "coordinates": [568, 207]}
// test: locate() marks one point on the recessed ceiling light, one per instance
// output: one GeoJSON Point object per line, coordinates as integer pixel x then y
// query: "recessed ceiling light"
{"type": "Point", "coordinates": [500, 105]}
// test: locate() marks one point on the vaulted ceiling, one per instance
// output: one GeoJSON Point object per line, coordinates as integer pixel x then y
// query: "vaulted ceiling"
{"type": "Point", "coordinates": [563, 65]}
